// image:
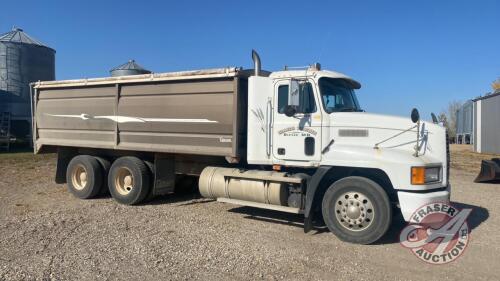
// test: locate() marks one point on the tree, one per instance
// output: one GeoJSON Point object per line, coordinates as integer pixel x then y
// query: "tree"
{"type": "Point", "coordinates": [449, 117]}
{"type": "Point", "coordinates": [496, 85]}
{"type": "Point", "coordinates": [442, 118]}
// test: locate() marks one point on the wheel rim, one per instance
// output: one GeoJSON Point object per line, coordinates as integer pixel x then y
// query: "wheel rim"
{"type": "Point", "coordinates": [354, 211]}
{"type": "Point", "coordinates": [79, 177]}
{"type": "Point", "coordinates": [124, 181]}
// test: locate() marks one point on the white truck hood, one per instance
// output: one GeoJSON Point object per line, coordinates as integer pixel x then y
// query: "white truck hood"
{"type": "Point", "coordinates": [356, 135]}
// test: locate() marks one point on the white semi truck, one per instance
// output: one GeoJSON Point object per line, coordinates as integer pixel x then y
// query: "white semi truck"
{"type": "Point", "coordinates": [295, 141]}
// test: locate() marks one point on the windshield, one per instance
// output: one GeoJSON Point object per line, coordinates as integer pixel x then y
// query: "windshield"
{"type": "Point", "coordinates": [337, 95]}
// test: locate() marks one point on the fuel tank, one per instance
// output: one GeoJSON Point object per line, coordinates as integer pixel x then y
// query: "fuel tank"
{"type": "Point", "coordinates": [217, 182]}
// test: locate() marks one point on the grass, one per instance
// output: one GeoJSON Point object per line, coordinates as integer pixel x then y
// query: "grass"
{"type": "Point", "coordinates": [465, 159]}
{"type": "Point", "coordinates": [24, 158]}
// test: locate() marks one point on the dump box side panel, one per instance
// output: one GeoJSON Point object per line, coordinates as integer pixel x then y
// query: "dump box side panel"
{"type": "Point", "coordinates": [195, 117]}
{"type": "Point", "coordinates": [192, 117]}
{"type": "Point", "coordinates": [75, 117]}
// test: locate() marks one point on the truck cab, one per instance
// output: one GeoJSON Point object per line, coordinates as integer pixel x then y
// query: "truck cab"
{"type": "Point", "coordinates": [311, 118]}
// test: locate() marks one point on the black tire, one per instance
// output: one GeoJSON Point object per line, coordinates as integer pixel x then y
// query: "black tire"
{"type": "Point", "coordinates": [84, 176]}
{"type": "Point", "coordinates": [129, 180]}
{"type": "Point", "coordinates": [366, 201]}
{"type": "Point", "coordinates": [105, 165]}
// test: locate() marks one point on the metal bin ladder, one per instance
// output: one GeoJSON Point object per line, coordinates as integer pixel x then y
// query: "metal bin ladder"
{"type": "Point", "coordinates": [5, 131]}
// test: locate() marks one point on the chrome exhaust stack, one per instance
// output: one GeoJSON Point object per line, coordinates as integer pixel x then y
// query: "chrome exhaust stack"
{"type": "Point", "coordinates": [256, 63]}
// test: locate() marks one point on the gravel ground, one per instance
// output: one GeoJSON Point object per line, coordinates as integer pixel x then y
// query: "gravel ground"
{"type": "Point", "coordinates": [47, 234]}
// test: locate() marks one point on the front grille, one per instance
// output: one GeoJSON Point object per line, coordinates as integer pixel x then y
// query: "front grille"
{"type": "Point", "coordinates": [353, 133]}
{"type": "Point", "coordinates": [448, 159]}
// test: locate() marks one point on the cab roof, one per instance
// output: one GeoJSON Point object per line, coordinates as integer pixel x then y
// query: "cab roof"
{"type": "Point", "coordinates": [316, 74]}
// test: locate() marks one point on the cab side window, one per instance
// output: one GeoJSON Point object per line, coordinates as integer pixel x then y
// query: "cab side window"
{"type": "Point", "coordinates": [306, 99]}
{"type": "Point", "coordinates": [282, 98]}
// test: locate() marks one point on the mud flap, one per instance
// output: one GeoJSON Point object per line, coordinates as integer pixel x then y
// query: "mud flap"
{"type": "Point", "coordinates": [490, 171]}
{"type": "Point", "coordinates": [311, 196]}
{"type": "Point", "coordinates": [64, 155]}
{"type": "Point", "coordinates": [164, 174]}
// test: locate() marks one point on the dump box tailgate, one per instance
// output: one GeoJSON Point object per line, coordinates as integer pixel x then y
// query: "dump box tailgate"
{"type": "Point", "coordinates": [191, 116]}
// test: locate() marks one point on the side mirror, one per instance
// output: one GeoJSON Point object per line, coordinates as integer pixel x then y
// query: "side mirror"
{"type": "Point", "coordinates": [415, 116]}
{"type": "Point", "coordinates": [290, 110]}
{"type": "Point", "coordinates": [293, 93]}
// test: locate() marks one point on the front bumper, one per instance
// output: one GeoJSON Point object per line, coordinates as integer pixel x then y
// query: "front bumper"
{"type": "Point", "coordinates": [409, 202]}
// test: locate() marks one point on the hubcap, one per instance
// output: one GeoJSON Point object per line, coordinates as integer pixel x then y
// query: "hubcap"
{"type": "Point", "coordinates": [124, 181]}
{"type": "Point", "coordinates": [354, 211]}
{"type": "Point", "coordinates": [79, 177]}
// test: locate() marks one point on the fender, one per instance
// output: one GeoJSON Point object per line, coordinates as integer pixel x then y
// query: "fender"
{"type": "Point", "coordinates": [312, 186]}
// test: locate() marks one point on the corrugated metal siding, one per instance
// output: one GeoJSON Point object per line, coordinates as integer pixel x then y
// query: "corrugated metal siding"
{"type": "Point", "coordinates": [21, 64]}
{"type": "Point", "coordinates": [465, 118]}
{"type": "Point", "coordinates": [490, 125]}
{"type": "Point", "coordinates": [475, 143]}
{"type": "Point", "coordinates": [459, 121]}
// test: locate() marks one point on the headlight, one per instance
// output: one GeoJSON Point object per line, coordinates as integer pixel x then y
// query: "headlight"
{"type": "Point", "coordinates": [424, 175]}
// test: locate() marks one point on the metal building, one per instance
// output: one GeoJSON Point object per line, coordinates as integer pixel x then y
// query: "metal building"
{"type": "Point", "coordinates": [464, 123]}
{"type": "Point", "coordinates": [23, 60]}
{"type": "Point", "coordinates": [487, 123]}
{"type": "Point", "coordinates": [129, 68]}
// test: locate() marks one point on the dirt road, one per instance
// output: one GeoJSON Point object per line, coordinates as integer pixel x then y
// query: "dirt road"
{"type": "Point", "coordinates": [45, 233]}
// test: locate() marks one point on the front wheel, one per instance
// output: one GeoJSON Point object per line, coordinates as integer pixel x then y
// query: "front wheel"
{"type": "Point", "coordinates": [357, 210]}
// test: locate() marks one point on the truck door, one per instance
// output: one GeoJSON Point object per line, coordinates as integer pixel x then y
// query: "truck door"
{"type": "Point", "coordinates": [298, 137]}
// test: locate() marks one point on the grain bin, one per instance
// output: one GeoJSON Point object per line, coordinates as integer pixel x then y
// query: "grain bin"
{"type": "Point", "coordinates": [464, 123]}
{"type": "Point", "coordinates": [129, 68]}
{"type": "Point", "coordinates": [23, 60]}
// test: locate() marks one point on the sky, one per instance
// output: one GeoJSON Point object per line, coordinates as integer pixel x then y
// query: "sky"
{"type": "Point", "coordinates": [405, 54]}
